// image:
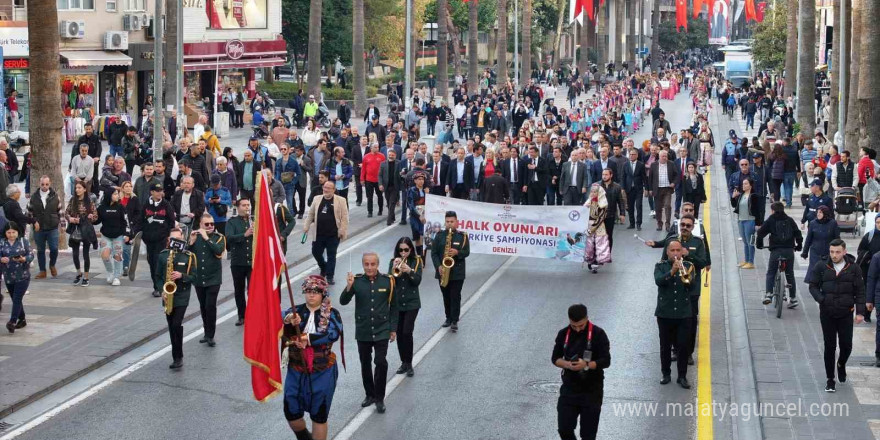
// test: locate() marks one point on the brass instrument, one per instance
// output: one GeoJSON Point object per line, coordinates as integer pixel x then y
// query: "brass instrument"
{"type": "Point", "coordinates": [395, 271]}
{"type": "Point", "coordinates": [686, 273]}
{"type": "Point", "coordinates": [448, 262]}
{"type": "Point", "coordinates": [170, 286]}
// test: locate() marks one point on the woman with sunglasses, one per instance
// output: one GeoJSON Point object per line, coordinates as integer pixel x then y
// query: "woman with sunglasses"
{"type": "Point", "coordinates": [406, 268]}
{"type": "Point", "coordinates": [207, 245]}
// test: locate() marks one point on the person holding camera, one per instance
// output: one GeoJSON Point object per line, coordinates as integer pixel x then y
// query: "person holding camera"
{"type": "Point", "coordinates": [207, 244]}
{"type": "Point", "coordinates": [218, 199]}
{"type": "Point", "coordinates": [583, 352]}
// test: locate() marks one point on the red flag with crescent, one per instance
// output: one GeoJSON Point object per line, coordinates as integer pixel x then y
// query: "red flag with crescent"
{"type": "Point", "coordinates": [681, 15]}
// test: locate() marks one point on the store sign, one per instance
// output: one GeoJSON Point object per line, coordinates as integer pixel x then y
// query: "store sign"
{"type": "Point", "coordinates": [21, 63]}
{"type": "Point", "coordinates": [234, 49]}
{"type": "Point", "coordinates": [14, 41]}
{"type": "Point", "coordinates": [200, 4]}
{"type": "Point", "coordinates": [237, 14]}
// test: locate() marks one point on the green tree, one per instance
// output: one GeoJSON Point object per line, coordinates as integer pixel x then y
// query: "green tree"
{"type": "Point", "coordinates": [486, 12]}
{"type": "Point", "coordinates": [335, 30]}
{"type": "Point", "coordinates": [697, 36]}
{"type": "Point", "coordinates": [768, 46]}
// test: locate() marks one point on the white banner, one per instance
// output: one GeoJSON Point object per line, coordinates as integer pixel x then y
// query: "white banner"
{"type": "Point", "coordinates": [525, 231]}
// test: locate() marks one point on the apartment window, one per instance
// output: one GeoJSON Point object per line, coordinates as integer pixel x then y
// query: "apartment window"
{"type": "Point", "coordinates": [111, 6]}
{"type": "Point", "coordinates": [76, 5]}
{"type": "Point", "coordinates": [135, 5]}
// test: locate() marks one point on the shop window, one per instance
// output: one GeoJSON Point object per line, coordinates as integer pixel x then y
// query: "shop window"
{"type": "Point", "coordinates": [236, 14]}
{"type": "Point", "coordinates": [135, 5]}
{"type": "Point", "coordinates": [111, 6]}
{"type": "Point", "coordinates": [76, 5]}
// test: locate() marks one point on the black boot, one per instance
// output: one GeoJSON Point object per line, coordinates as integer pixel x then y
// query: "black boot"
{"type": "Point", "coordinates": [303, 435]}
{"type": "Point", "coordinates": [402, 369]}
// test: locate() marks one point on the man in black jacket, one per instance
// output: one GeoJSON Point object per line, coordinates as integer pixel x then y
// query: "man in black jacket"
{"type": "Point", "coordinates": [459, 176]}
{"type": "Point", "coordinates": [633, 184]}
{"type": "Point", "coordinates": [838, 287]}
{"type": "Point", "coordinates": [534, 177]}
{"type": "Point", "coordinates": [189, 203]}
{"type": "Point", "coordinates": [616, 204]}
{"type": "Point", "coordinates": [785, 239]}
{"type": "Point", "coordinates": [343, 112]}
{"type": "Point", "coordinates": [583, 352]}
{"type": "Point", "coordinates": [157, 222]}
{"type": "Point", "coordinates": [118, 130]}
{"type": "Point", "coordinates": [46, 208]}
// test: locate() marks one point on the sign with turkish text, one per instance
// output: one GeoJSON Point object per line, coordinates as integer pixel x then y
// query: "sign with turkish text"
{"type": "Point", "coordinates": [14, 41]}
{"type": "Point", "coordinates": [551, 232]}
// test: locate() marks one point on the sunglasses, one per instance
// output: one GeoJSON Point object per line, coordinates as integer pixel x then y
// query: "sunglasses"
{"type": "Point", "coordinates": [209, 224]}
{"type": "Point", "coordinates": [687, 225]}
{"type": "Point", "coordinates": [406, 249]}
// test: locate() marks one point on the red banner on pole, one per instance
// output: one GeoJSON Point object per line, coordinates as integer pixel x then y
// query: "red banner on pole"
{"type": "Point", "coordinates": [698, 7]}
{"type": "Point", "coordinates": [681, 19]}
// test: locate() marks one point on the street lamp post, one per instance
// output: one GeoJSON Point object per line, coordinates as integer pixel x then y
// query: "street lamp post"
{"type": "Point", "coordinates": [408, 56]}
{"type": "Point", "coordinates": [158, 97]}
{"type": "Point", "coordinates": [516, 42]}
{"type": "Point", "coordinates": [842, 62]}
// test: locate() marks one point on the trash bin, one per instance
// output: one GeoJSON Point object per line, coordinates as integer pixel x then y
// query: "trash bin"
{"type": "Point", "coordinates": [221, 124]}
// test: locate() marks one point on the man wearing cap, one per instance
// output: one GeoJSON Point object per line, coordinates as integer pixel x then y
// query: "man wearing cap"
{"type": "Point", "coordinates": [158, 220]}
{"type": "Point", "coordinates": [375, 128]}
{"type": "Point", "coordinates": [728, 155]}
{"type": "Point", "coordinates": [817, 198]}
{"type": "Point", "coordinates": [311, 108]}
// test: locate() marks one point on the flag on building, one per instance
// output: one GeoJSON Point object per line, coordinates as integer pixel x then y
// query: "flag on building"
{"type": "Point", "coordinates": [681, 19]}
{"type": "Point", "coordinates": [762, 6]}
{"type": "Point", "coordinates": [751, 12]}
{"type": "Point", "coordinates": [262, 322]}
{"type": "Point", "coordinates": [698, 7]}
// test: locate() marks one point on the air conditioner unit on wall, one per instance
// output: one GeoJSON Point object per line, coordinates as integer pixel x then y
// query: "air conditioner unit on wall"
{"type": "Point", "coordinates": [116, 40]}
{"type": "Point", "coordinates": [73, 29]}
{"type": "Point", "coordinates": [132, 22]}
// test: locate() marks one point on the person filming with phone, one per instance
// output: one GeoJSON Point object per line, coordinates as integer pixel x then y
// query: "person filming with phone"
{"type": "Point", "coordinates": [583, 352]}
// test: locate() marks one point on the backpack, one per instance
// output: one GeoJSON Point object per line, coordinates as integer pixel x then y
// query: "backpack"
{"type": "Point", "coordinates": [782, 231]}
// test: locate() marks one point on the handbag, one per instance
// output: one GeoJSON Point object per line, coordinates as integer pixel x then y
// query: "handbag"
{"type": "Point", "coordinates": [287, 176]}
{"type": "Point", "coordinates": [76, 234]}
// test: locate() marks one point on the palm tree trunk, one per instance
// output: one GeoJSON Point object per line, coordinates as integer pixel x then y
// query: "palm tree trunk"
{"type": "Point", "coordinates": [557, 40]}
{"type": "Point", "coordinates": [501, 44]}
{"type": "Point", "coordinates": [869, 77]}
{"type": "Point", "coordinates": [806, 94]}
{"type": "Point", "coordinates": [357, 58]}
{"type": "Point", "coordinates": [314, 79]}
{"type": "Point", "coordinates": [456, 41]}
{"type": "Point", "coordinates": [526, 42]}
{"type": "Point", "coordinates": [791, 48]}
{"type": "Point", "coordinates": [584, 51]}
{"type": "Point", "coordinates": [619, 31]}
{"type": "Point", "coordinates": [852, 132]}
{"type": "Point", "coordinates": [45, 123]}
{"type": "Point", "coordinates": [835, 72]}
{"type": "Point", "coordinates": [442, 51]}
{"type": "Point", "coordinates": [631, 36]}
{"type": "Point", "coordinates": [655, 38]}
{"type": "Point", "coordinates": [473, 59]}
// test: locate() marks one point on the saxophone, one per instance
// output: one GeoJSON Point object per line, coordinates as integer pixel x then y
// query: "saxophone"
{"type": "Point", "coordinates": [448, 262]}
{"type": "Point", "coordinates": [170, 286]}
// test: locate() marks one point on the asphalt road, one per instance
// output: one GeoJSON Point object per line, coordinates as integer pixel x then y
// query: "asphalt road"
{"type": "Point", "coordinates": [491, 380]}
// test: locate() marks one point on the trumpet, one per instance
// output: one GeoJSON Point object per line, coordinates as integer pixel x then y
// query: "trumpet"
{"type": "Point", "coordinates": [686, 271]}
{"type": "Point", "coordinates": [396, 271]}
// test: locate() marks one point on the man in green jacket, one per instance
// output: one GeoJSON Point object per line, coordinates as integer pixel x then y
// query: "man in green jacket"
{"type": "Point", "coordinates": [459, 249]}
{"type": "Point", "coordinates": [182, 266]}
{"type": "Point", "coordinates": [673, 312]}
{"type": "Point", "coordinates": [376, 318]}
{"type": "Point", "coordinates": [208, 245]}
{"type": "Point", "coordinates": [239, 243]}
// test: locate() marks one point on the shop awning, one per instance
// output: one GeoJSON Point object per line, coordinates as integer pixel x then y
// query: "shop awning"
{"type": "Point", "coordinates": [234, 64]}
{"type": "Point", "coordinates": [83, 58]}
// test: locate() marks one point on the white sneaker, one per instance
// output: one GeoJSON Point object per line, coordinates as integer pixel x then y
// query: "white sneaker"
{"type": "Point", "coordinates": [653, 214]}
{"type": "Point", "coordinates": [116, 282]}
{"type": "Point", "coordinates": [110, 279]}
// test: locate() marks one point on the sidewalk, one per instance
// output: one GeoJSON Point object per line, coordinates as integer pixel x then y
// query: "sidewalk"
{"type": "Point", "coordinates": [787, 353]}
{"type": "Point", "coordinates": [74, 330]}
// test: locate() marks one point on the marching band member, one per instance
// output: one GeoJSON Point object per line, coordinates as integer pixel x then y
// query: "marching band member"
{"type": "Point", "coordinates": [673, 312]}
{"type": "Point", "coordinates": [406, 268]}
{"type": "Point", "coordinates": [208, 246]}
{"type": "Point", "coordinates": [179, 273]}
{"type": "Point", "coordinates": [240, 243]}
{"type": "Point", "coordinates": [312, 370]}
{"type": "Point", "coordinates": [453, 244]}
{"type": "Point", "coordinates": [375, 325]}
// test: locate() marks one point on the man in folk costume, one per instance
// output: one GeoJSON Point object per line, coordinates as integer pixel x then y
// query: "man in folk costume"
{"type": "Point", "coordinates": [310, 330]}
{"type": "Point", "coordinates": [597, 250]}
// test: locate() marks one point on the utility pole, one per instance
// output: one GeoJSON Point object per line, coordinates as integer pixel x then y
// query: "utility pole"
{"type": "Point", "coordinates": [641, 34]}
{"type": "Point", "coordinates": [158, 98]}
{"type": "Point", "coordinates": [841, 82]}
{"type": "Point", "coordinates": [407, 63]}
{"type": "Point", "coordinates": [181, 119]}
{"type": "Point", "coordinates": [516, 42]}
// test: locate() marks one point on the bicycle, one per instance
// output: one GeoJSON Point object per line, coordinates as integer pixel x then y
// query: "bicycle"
{"type": "Point", "coordinates": [779, 287]}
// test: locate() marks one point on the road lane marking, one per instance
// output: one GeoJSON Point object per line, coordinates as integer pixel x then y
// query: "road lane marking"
{"type": "Point", "coordinates": [705, 419]}
{"type": "Point", "coordinates": [91, 391]}
{"type": "Point", "coordinates": [361, 417]}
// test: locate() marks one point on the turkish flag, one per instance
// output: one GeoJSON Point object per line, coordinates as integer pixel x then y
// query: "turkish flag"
{"type": "Point", "coordinates": [751, 13]}
{"type": "Point", "coordinates": [588, 5]}
{"type": "Point", "coordinates": [262, 323]}
{"type": "Point", "coordinates": [681, 19]}
{"type": "Point", "coordinates": [698, 7]}
{"type": "Point", "coordinates": [760, 12]}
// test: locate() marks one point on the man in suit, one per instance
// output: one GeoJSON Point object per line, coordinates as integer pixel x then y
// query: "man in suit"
{"type": "Point", "coordinates": [357, 158]}
{"type": "Point", "coordinates": [574, 180]}
{"type": "Point", "coordinates": [541, 142]}
{"type": "Point", "coordinates": [403, 168]}
{"type": "Point", "coordinates": [664, 178]}
{"type": "Point", "coordinates": [495, 189]}
{"type": "Point", "coordinates": [681, 168]}
{"type": "Point", "coordinates": [437, 169]}
{"type": "Point", "coordinates": [476, 162]}
{"type": "Point", "coordinates": [389, 184]}
{"type": "Point", "coordinates": [633, 183]}
{"type": "Point", "coordinates": [459, 176]}
{"type": "Point", "coordinates": [555, 165]}
{"type": "Point", "coordinates": [511, 170]}
{"type": "Point", "coordinates": [603, 162]}
{"type": "Point", "coordinates": [534, 177]}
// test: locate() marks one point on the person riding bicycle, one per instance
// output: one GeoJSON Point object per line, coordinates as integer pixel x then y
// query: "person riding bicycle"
{"type": "Point", "coordinates": [785, 239]}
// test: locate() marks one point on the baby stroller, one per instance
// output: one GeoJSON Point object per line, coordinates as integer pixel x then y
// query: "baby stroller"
{"type": "Point", "coordinates": [846, 208]}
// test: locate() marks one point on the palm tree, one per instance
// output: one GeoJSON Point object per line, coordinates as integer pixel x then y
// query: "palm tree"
{"type": "Point", "coordinates": [442, 51]}
{"type": "Point", "coordinates": [791, 48]}
{"type": "Point", "coordinates": [557, 40]}
{"type": "Point", "coordinates": [473, 59]}
{"type": "Point", "coordinates": [501, 43]}
{"type": "Point", "coordinates": [806, 109]}
{"type": "Point", "coordinates": [834, 62]}
{"type": "Point", "coordinates": [456, 41]}
{"type": "Point", "coordinates": [357, 58]}
{"type": "Point", "coordinates": [869, 77]}
{"type": "Point", "coordinates": [526, 42]}
{"type": "Point", "coordinates": [45, 124]}
{"type": "Point", "coordinates": [851, 131]}
{"type": "Point", "coordinates": [655, 39]}
{"type": "Point", "coordinates": [631, 37]}
{"type": "Point", "coordinates": [314, 80]}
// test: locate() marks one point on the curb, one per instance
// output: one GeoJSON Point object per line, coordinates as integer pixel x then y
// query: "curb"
{"type": "Point", "coordinates": [78, 374]}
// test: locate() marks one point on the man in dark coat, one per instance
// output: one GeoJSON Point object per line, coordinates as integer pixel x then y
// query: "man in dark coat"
{"type": "Point", "coordinates": [495, 188]}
